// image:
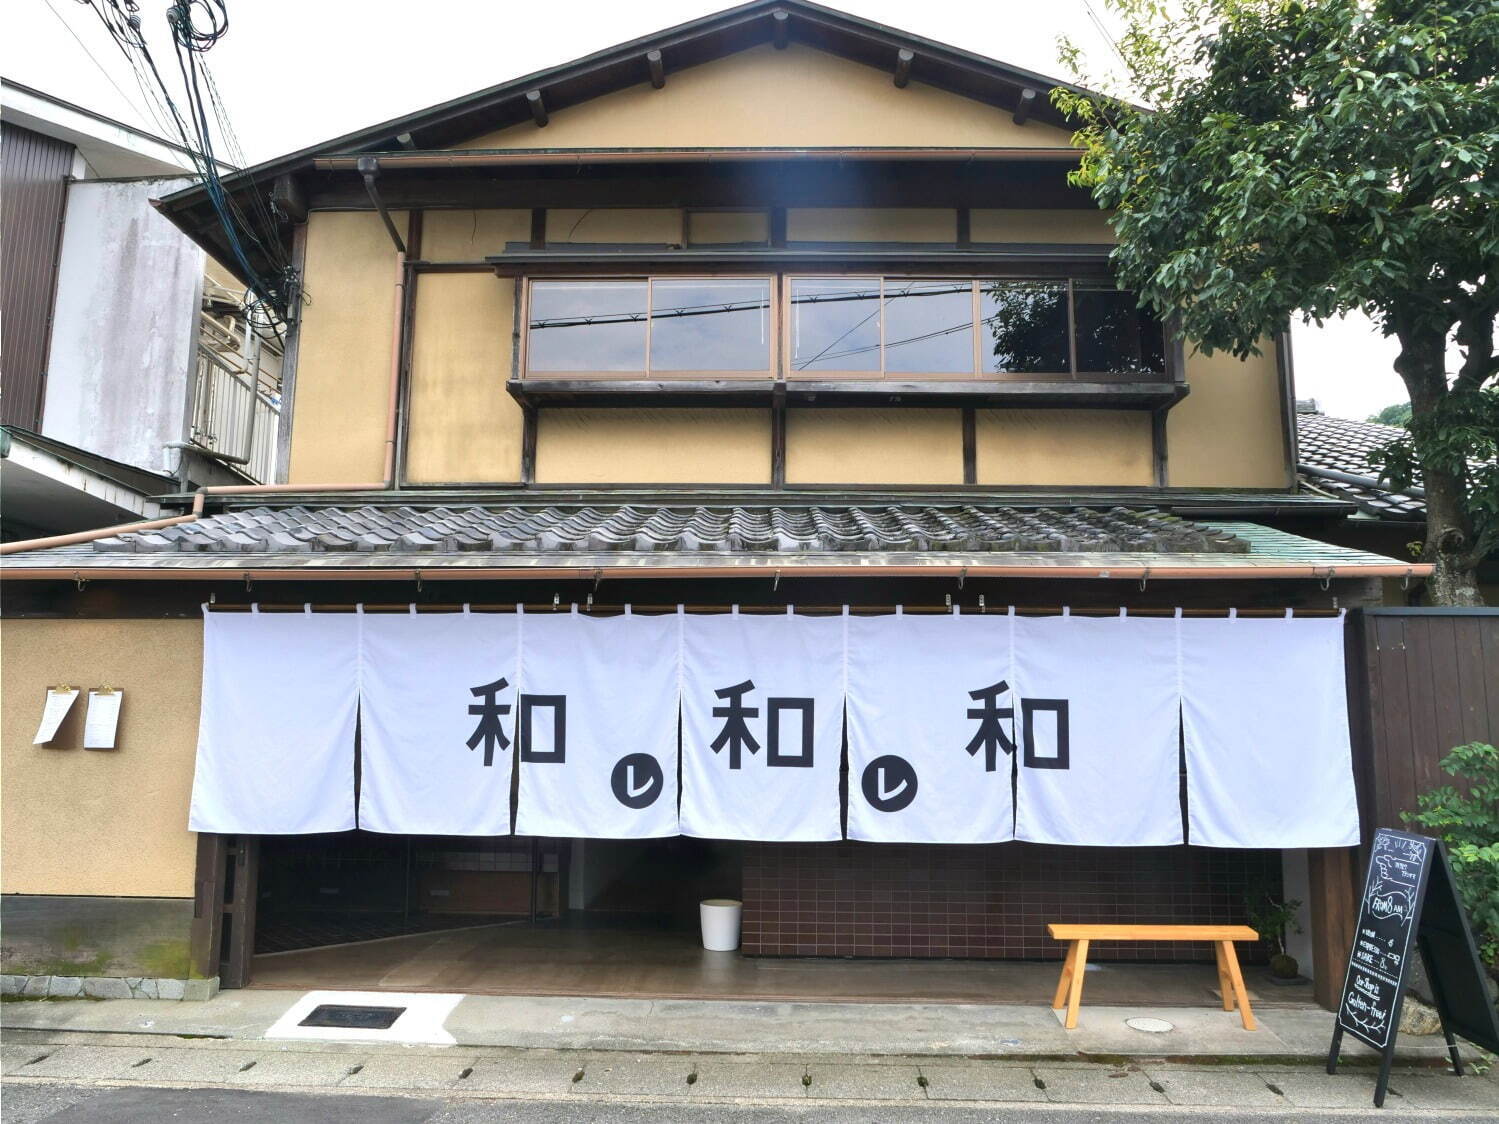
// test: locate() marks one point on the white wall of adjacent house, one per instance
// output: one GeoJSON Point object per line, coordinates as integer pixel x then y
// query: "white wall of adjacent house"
{"type": "Point", "coordinates": [124, 325]}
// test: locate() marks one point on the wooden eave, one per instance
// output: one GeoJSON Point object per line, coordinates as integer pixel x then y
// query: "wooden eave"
{"type": "Point", "coordinates": [933, 64]}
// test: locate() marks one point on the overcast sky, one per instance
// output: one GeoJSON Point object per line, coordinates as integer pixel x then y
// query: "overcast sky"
{"type": "Point", "coordinates": [295, 72]}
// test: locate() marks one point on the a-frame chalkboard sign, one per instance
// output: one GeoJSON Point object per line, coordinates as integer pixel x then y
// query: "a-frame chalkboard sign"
{"type": "Point", "coordinates": [1410, 905]}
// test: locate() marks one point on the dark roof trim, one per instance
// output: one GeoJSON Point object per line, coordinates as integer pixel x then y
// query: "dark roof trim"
{"type": "Point", "coordinates": [527, 157]}
{"type": "Point", "coordinates": [698, 41]}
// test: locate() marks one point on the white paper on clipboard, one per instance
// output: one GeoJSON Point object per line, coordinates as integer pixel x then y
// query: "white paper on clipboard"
{"type": "Point", "coordinates": [59, 702]}
{"type": "Point", "coordinates": [103, 719]}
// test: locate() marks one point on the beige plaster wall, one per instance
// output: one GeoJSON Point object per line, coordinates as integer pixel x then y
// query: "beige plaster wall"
{"type": "Point", "coordinates": [110, 822]}
{"type": "Point", "coordinates": [1065, 226]}
{"type": "Point", "coordinates": [871, 224]}
{"type": "Point", "coordinates": [669, 446]}
{"type": "Point", "coordinates": [472, 235]}
{"type": "Point", "coordinates": [1227, 433]}
{"type": "Point", "coordinates": [761, 97]}
{"type": "Point", "coordinates": [343, 361]}
{"type": "Point", "coordinates": [616, 224]}
{"type": "Point", "coordinates": [1064, 447]}
{"type": "Point", "coordinates": [874, 446]}
{"type": "Point", "coordinates": [464, 427]}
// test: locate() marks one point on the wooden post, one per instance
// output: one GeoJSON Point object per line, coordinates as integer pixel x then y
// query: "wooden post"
{"type": "Point", "coordinates": [1333, 878]}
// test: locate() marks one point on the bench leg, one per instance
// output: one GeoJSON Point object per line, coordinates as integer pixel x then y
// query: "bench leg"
{"type": "Point", "coordinates": [1067, 966]}
{"type": "Point", "coordinates": [1225, 988]}
{"type": "Point", "coordinates": [1075, 988]}
{"type": "Point", "coordinates": [1231, 959]}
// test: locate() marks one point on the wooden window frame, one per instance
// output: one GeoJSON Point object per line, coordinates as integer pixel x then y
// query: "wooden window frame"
{"type": "Point", "coordinates": [646, 373]}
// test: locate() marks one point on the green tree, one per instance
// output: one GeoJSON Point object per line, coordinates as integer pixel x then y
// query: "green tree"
{"type": "Point", "coordinates": [1468, 823]}
{"type": "Point", "coordinates": [1397, 414]}
{"type": "Point", "coordinates": [1314, 157]}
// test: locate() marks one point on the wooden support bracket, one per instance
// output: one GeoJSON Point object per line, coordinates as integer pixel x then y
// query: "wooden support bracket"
{"type": "Point", "coordinates": [780, 25]}
{"type": "Point", "coordinates": [1023, 105]}
{"type": "Point", "coordinates": [538, 108]}
{"type": "Point", "coordinates": [657, 67]}
{"type": "Point", "coordinates": [903, 60]}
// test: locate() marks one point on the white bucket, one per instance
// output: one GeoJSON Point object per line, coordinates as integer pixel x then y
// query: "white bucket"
{"type": "Point", "coordinates": [720, 919]}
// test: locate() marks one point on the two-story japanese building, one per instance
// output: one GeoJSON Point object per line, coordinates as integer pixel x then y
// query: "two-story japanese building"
{"type": "Point", "coordinates": [777, 308]}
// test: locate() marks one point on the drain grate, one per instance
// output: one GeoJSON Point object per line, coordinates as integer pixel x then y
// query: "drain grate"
{"type": "Point", "coordinates": [353, 1018]}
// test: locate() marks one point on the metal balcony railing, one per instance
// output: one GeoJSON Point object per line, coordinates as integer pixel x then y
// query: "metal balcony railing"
{"type": "Point", "coordinates": [236, 402]}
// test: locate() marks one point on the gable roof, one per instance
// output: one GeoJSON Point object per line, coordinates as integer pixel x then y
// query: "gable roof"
{"type": "Point", "coordinates": [934, 64]}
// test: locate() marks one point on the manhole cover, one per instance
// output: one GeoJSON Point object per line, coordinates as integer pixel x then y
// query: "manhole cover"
{"type": "Point", "coordinates": [1149, 1026]}
{"type": "Point", "coordinates": [353, 1018]}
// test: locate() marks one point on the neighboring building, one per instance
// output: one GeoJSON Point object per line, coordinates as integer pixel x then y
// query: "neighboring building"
{"type": "Point", "coordinates": [1332, 459]}
{"type": "Point", "coordinates": [129, 370]}
{"type": "Point", "coordinates": [778, 307]}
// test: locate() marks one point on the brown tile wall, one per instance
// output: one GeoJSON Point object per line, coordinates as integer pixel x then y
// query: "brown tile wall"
{"type": "Point", "coordinates": [989, 902]}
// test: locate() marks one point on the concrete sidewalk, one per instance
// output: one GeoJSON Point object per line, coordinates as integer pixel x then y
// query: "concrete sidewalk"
{"type": "Point", "coordinates": [1297, 1035]}
{"type": "Point", "coordinates": [594, 1077]}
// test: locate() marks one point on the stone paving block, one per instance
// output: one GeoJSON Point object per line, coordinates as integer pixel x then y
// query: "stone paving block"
{"type": "Point", "coordinates": [865, 1082]}
{"type": "Point", "coordinates": [87, 1062]}
{"type": "Point", "coordinates": [397, 1072]}
{"type": "Point", "coordinates": [980, 1082]}
{"type": "Point", "coordinates": [293, 1069]}
{"type": "Point", "coordinates": [1311, 1088]}
{"type": "Point", "coordinates": [748, 1079]}
{"type": "Point", "coordinates": [12, 984]}
{"type": "Point", "coordinates": [15, 1057]}
{"type": "Point", "coordinates": [659, 1075]}
{"type": "Point", "coordinates": [1215, 1086]}
{"type": "Point", "coordinates": [189, 1065]}
{"type": "Point", "coordinates": [1443, 1090]}
{"type": "Point", "coordinates": [65, 987]}
{"type": "Point", "coordinates": [553, 1074]}
{"type": "Point", "coordinates": [1097, 1085]}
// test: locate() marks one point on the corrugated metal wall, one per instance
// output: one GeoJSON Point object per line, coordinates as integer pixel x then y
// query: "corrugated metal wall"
{"type": "Point", "coordinates": [33, 193]}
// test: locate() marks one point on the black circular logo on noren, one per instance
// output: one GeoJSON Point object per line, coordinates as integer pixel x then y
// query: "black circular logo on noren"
{"type": "Point", "coordinates": [637, 780]}
{"type": "Point", "coordinates": [889, 783]}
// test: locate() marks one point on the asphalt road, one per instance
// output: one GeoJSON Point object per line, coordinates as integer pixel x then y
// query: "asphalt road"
{"type": "Point", "coordinates": [91, 1104]}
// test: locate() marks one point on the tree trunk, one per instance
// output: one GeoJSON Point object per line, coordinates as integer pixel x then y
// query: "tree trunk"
{"type": "Point", "coordinates": [1449, 529]}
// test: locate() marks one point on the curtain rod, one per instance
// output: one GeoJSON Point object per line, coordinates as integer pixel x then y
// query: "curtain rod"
{"type": "Point", "coordinates": [544, 608]}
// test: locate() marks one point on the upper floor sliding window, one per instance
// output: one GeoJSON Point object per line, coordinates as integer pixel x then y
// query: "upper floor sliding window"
{"type": "Point", "coordinates": [839, 328]}
{"type": "Point", "coordinates": [667, 327]}
{"type": "Point", "coordinates": [873, 327]}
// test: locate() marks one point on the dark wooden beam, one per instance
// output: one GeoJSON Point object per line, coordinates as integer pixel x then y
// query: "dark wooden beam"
{"type": "Point", "coordinates": [1160, 472]}
{"type": "Point", "coordinates": [903, 60]}
{"type": "Point", "coordinates": [780, 34]}
{"type": "Point", "coordinates": [970, 446]}
{"type": "Point", "coordinates": [1023, 105]}
{"type": "Point", "coordinates": [538, 108]}
{"type": "Point", "coordinates": [657, 67]}
{"type": "Point", "coordinates": [965, 227]}
{"type": "Point", "coordinates": [406, 141]}
{"type": "Point", "coordinates": [538, 228]}
{"type": "Point", "coordinates": [529, 422]}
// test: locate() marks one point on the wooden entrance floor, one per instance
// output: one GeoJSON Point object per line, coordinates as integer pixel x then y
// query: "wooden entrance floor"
{"type": "Point", "coordinates": [657, 964]}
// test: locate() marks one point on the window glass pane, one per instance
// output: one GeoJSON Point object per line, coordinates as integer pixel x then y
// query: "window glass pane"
{"type": "Point", "coordinates": [1114, 334]}
{"type": "Point", "coordinates": [710, 324]}
{"type": "Point", "coordinates": [929, 327]}
{"type": "Point", "coordinates": [1024, 327]}
{"type": "Point", "coordinates": [587, 326]}
{"type": "Point", "coordinates": [835, 324]}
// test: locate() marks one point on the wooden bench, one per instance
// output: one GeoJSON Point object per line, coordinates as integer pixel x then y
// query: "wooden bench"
{"type": "Point", "coordinates": [1230, 980]}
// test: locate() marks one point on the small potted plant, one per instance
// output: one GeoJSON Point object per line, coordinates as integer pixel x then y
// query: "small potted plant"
{"type": "Point", "coordinates": [1271, 918]}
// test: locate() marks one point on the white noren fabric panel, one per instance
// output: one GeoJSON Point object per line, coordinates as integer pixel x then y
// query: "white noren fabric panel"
{"type": "Point", "coordinates": [1265, 711]}
{"type": "Point", "coordinates": [920, 769]}
{"type": "Point", "coordinates": [766, 765]}
{"type": "Point", "coordinates": [436, 755]}
{"type": "Point", "coordinates": [276, 731]}
{"type": "Point", "coordinates": [1097, 731]}
{"type": "Point", "coordinates": [601, 759]}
